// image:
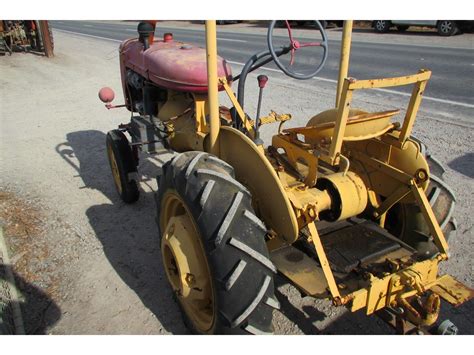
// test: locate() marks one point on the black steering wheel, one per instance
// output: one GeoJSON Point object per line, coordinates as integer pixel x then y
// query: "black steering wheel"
{"type": "Point", "coordinates": [293, 47]}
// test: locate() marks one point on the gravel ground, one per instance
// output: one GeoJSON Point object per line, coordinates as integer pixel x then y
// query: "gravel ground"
{"type": "Point", "coordinates": [96, 260]}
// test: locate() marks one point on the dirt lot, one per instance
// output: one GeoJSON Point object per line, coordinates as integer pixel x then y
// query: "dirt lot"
{"type": "Point", "coordinates": [91, 263]}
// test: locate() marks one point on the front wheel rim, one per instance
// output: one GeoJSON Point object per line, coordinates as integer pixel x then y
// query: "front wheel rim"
{"type": "Point", "coordinates": [186, 264]}
{"type": "Point", "coordinates": [114, 168]}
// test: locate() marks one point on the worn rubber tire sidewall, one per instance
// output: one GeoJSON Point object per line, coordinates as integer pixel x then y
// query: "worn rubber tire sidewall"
{"type": "Point", "coordinates": [411, 226]}
{"type": "Point", "coordinates": [125, 163]}
{"type": "Point", "coordinates": [221, 258]}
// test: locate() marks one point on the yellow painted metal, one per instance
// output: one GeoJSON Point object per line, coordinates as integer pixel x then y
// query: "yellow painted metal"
{"type": "Point", "coordinates": [411, 281]}
{"type": "Point", "coordinates": [308, 203]}
{"type": "Point", "coordinates": [296, 154]}
{"type": "Point", "coordinates": [345, 56]}
{"type": "Point", "coordinates": [201, 110]}
{"type": "Point", "coordinates": [240, 112]}
{"type": "Point", "coordinates": [115, 170]}
{"type": "Point", "coordinates": [177, 105]}
{"type": "Point", "coordinates": [330, 116]}
{"type": "Point", "coordinates": [340, 125]}
{"type": "Point", "coordinates": [381, 292]}
{"type": "Point", "coordinates": [430, 218]}
{"type": "Point", "coordinates": [303, 271]}
{"type": "Point", "coordinates": [452, 291]}
{"type": "Point", "coordinates": [185, 118]}
{"type": "Point", "coordinates": [274, 117]}
{"type": "Point", "coordinates": [384, 167]}
{"type": "Point", "coordinates": [323, 260]}
{"type": "Point", "coordinates": [185, 263]}
{"type": "Point", "coordinates": [253, 169]}
{"type": "Point", "coordinates": [390, 201]}
{"type": "Point", "coordinates": [349, 190]}
{"type": "Point", "coordinates": [362, 126]}
{"type": "Point", "coordinates": [431, 307]}
{"type": "Point", "coordinates": [212, 81]}
{"type": "Point", "coordinates": [350, 85]}
{"type": "Point", "coordinates": [305, 198]}
{"type": "Point", "coordinates": [412, 110]}
{"type": "Point", "coordinates": [423, 75]}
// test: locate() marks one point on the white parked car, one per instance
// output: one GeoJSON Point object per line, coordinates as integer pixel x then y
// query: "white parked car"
{"type": "Point", "coordinates": [444, 27]}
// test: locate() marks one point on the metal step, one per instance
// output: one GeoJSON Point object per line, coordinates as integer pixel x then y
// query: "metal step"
{"type": "Point", "coordinates": [303, 271]}
{"type": "Point", "coordinates": [349, 247]}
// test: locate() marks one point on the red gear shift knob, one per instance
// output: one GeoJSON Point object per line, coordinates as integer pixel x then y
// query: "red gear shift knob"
{"type": "Point", "coordinates": [262, 81]}
{"type": "Point", "coordinates": [106, 95]}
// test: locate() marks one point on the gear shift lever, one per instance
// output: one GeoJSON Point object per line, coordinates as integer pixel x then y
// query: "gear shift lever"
{"type": "Point", "coordinates": [262, 81]}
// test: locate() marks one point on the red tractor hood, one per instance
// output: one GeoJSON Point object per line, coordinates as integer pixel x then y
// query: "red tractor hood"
{"type": "Point", "coordinates": [171, 64]}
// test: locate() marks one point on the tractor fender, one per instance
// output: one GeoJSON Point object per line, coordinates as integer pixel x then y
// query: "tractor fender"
{"type": "Point", "coordinates": [253, 170]}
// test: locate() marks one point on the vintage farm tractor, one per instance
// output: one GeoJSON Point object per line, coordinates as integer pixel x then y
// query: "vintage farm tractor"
{"type": "Point", "coordinates": [348, 207]}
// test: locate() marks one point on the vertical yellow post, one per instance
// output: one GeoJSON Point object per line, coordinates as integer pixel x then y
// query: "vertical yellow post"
{"type": "Point", "coordinates": [324, 261]}
{"type": "Point", "coordinates": [344, 61]}
{"type": "Point", "coordinates": [211, 52]}
{"type": "Point", "coordinates": [412, 110]}
{"type": "Point", "coordinates": [343, 109]}
{"type": "Point", "coordinates": [430, 218]}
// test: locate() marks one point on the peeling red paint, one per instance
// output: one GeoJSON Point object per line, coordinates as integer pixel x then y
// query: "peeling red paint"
{"type": "Point", "coordinates": [171, 64]}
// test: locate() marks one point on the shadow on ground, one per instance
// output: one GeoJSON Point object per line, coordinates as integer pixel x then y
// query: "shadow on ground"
{"type": "Point", "coordinates": [347, 324]}
{"type": "Point", "coordinates": [129, 238]}
{"type": "Point", "coordinates": [464, 165]}
{"type": "Point", "coordinates": [358, 323]}
{"type": "Point", "coordinates": [39, 312]}
{"type": "Point", "coordinates": [128, 233]}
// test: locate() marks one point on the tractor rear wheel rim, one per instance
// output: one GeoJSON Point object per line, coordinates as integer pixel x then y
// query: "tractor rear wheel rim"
{"type": "Point", "coordinates": [115, 169]}
{"type": "Point", "coordinates": [186, 264]}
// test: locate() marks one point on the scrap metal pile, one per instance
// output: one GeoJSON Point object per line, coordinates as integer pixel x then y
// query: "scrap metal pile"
{"type": "Point", "coordinates": [26, 36]}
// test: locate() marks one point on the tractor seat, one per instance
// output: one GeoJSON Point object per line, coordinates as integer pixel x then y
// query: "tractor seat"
{"type": "Point", "coordinates": [361, 125]}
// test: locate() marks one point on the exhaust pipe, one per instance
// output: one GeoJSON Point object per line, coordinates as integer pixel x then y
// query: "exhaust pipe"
{"type": "Point", "coordinates": [145, 32]}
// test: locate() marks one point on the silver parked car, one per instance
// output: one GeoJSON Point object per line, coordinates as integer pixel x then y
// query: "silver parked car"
{"type": "Point", "coordinates": [444, 27]}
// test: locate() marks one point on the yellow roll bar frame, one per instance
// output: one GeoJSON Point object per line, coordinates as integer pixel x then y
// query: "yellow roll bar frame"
{"type": "Point", "coordinates": [344, 60]}
{"type": "Point", "coordinates": [212, 89]}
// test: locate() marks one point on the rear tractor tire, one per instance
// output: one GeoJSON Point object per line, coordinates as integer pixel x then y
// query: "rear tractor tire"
{"type": "Point", "coordinates": [213, 247]}
{"type": "Point", "coordinates": [406, 221]}
{"type": "Point", "coordinates": [123, 166]}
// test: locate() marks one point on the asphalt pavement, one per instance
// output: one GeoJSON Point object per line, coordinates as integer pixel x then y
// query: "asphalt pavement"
{"type": "Point", "coordinates": [451, 84]}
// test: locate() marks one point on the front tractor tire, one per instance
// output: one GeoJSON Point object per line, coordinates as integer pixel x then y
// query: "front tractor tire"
{"type": "Point", "coordinates": [123, 166]}
{"type": "Point", "coordinates": [213, 247]}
